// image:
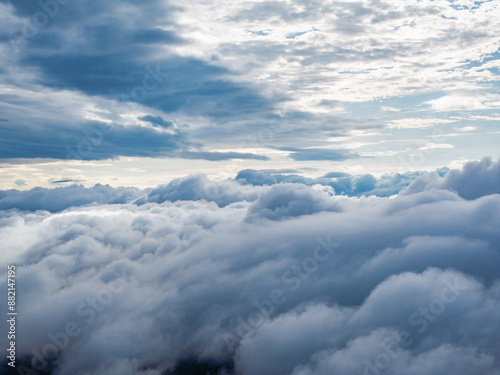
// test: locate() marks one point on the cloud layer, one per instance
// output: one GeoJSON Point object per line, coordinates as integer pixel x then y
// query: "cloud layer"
{"type": "Point", "coordinates": [279, 279]}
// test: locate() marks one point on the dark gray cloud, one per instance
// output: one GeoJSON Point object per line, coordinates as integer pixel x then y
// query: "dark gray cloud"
{"type": "Point", "coordinates": [86, 141]}
{"type": "Point", "coordinates": [112, 55]}
{"type": "Point", "coordinates": [156, 121]}
{"type": "Point", "coordinates": [63, 181]}
{"type": "Point", "coordinates": [214, 156]}
{"type": "Point", "coordinates": [97, 141]}
{"type": "Point", "coordinates": [304, 154]}
{"type": "Point", "coordinates": [97, 51]}
{"type": "Point", "coordinates": [330, 285]}
{"type": "Point", "coordinates": [181, 84]}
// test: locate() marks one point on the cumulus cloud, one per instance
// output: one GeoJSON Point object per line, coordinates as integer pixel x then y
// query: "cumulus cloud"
{"type": "Point", "coordinates": [476, 179]}
{"type": "Point", "coordinates": [270, 272]}
{"type": "Point", "coordinates": [198, 187]}
{"type": "Point", "coordinates": [281, 279]}
{"type": "Point", "coordinates": [58, 199]}
{"type": "Point", "coordinates": [275, 193]}
{"type": "Point", "coordinates": [290, 200]}
{"type": "Point", "coordinates": [341, 183]}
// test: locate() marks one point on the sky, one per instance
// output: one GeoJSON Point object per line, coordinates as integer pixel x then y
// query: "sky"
{"type": "Point", "coordinates": [250, 187]}
{"type": "Point", "coordinates": [138, 94]}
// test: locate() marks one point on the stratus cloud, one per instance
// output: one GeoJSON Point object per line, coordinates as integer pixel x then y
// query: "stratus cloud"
{"type": "Point", "coordinates": [331, 284]}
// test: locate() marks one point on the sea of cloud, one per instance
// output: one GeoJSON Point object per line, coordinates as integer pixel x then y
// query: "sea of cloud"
{"type": "Point", "coordinates": [262, 278]}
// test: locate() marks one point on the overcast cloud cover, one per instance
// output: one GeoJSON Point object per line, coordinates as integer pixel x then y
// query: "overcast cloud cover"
{"type": "Point", "coordinates": [292, 187]}
{"type": "Point", "coordinates": [281, 278]}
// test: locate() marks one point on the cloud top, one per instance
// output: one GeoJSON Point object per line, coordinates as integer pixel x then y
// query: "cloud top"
{"type": "Point", "coordinates": [279, 279]}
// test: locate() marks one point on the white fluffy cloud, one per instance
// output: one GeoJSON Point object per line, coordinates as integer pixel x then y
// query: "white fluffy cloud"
{"type": "Point", "coordinates": [280, 279]}
{"type": "Point", "coordinates": [352, 50]}
{"type": "Point", "coordinates": [475, 180]}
